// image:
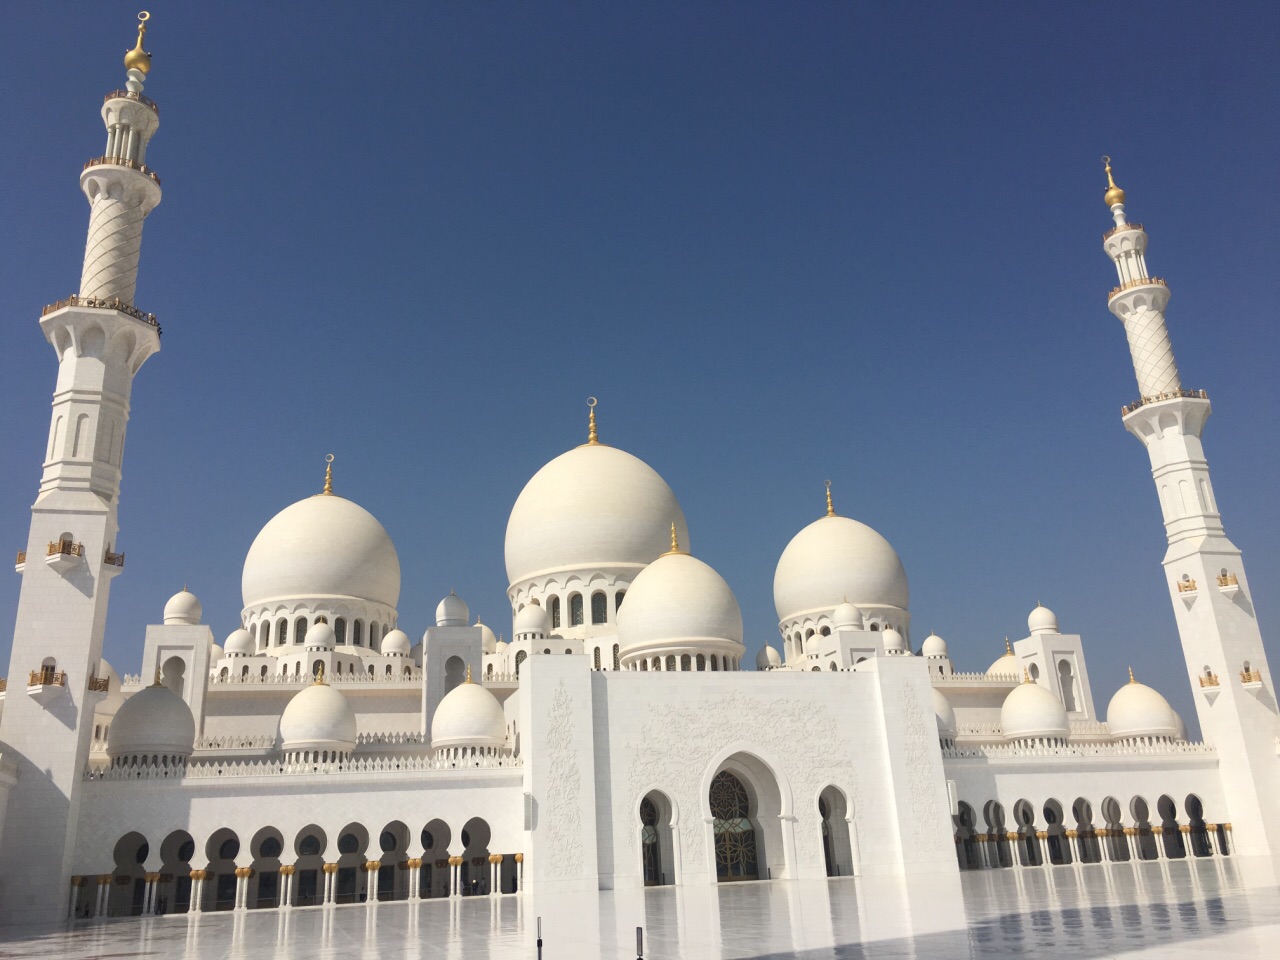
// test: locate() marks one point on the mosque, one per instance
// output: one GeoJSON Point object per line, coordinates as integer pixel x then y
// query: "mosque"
{"type": "Point", "coordinates": [316, 753]}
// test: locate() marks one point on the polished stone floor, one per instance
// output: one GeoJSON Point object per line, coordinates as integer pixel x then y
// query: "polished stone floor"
{"type": "Point", "coordinates": [1181, 909]}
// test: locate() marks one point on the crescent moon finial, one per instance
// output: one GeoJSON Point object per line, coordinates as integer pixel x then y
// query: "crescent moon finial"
{"type": "Point", "coordinates": [831, 510]}
{"type": "Point", "coordinates": [328, 474]}
{"type": "Point", "coordinates": [592, 437]}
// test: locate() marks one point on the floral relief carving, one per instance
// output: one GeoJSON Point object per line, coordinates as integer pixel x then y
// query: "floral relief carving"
{"type": "Point", "coordinates": [561, 816]}
{"type": "Point", "coordinates": [669, 756]}
{"type": "Point", "coordinates": [921, 788]}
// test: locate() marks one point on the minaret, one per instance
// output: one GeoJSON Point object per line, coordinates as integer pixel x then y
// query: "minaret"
{"type": "Point", "coordinates": [1218, 626]}
{"type": "Point", "coordinates": [101, 340]}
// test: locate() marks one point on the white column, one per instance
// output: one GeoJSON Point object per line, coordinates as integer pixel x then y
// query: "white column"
{"type": "Point", "coordinates": [286, 880]}
{"type": "Point", "coordinates": [371, 869]}
{"type": "Point", "coordinates": [415, 872]}
{"type": "Point", "coordinates": [149, 896]}
{"type": "Point", "coordinates": [520, 872]}
{"type": "Point", "coordinates": [76, 884]}
{"type": "Point", "coordinates": [330, 872]}
{"type": "Point", "coordinates": [104, 894]}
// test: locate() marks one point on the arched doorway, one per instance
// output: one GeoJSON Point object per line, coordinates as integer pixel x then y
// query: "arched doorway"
{"type": "Point", "coordinates": [129, 884]}
{"type": "Point", "coordinates": [656, 854]}
{"type": "Point", "coordinates": [737, 854]}
{"type": "Point", "coordinates": [997, 835]}
{"type": "Point", "coordinates": [1170, 832]}
{"type": "Point", "coordinates": [393, 844]}
{"type": "Point", "coordinates": [222, 849]}
{"type": "Point", "coordinates": [175, 861]}
{"type": "Point", "coordinates": [1028, 853]}
{"type": "Point", "coordinates": [1089, 849]}
{"type": "Point", "coordinates": [1117, 845]}
{"type": "Point", "coordinates": [1144, 839]}
{"type": "Point", "coordinates": [353, 841]}
{"type": "Point", "coordinates": [1198, 832]}
{"type": "Point", "coordinates": [1057, 847]}
{"type": "Point", "coordinates": [264, 885]}
{"type": "Point", "coordinates": [474, 877]}
{"type": "Point", "coordinates": [837, 850]}
{"type": "Point", "coordinates": [309, 848]}
{"type": "Point", "coordinates": [433, 879]}
{"type": "Point", "coordinates": [966, 837]}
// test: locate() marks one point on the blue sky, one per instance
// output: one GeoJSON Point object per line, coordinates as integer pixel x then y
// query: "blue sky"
{"type": "Point", "coordinates": [781, 242]}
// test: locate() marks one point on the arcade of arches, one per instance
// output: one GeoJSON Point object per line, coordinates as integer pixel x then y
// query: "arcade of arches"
{"type": "Point", "coordinates": [1053, 835]}
{"type": "Point", "coordinates": [269, 870]}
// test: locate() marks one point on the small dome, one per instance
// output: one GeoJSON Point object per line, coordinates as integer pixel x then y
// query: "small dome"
{"type": "Point", "coordinates": [847, 616]}
{"type": "Point", "coordinates": [945, 714]}
{"type": "Point", "coordinates": [468, 716]}
{"type": "Point", "coordinates": [323, 546]}
{"type": "Point", "coordinates": [318, 718]}
{"type": "Point", "coordinates": [1042, 620]}
{"type": "Point", "coordinates": [1136, 710]}
{"type": "Point", "coordinates": [239, 644]}
{"type": "Point", "coordinates": [893, 642]}
{"type": "Point", "coordinates": [183, 607]}
{"type": "Point", "coordinates": [532, 619]}
{"type": "Point", "coordinates": [320, 636]}
{"type": "Point", "coordinates": [396, 644]}
{"type": "Point", "coordinates": [488, 640]}
{"type": "Point", "coordinates": [1032, 711]}
{"type": "Point", "coordinates": [591, 508]}
{"type": "Point", "coordinates": [1008, 665]}
{"type": "Point", "coordinates": [216, 652]}
{"type": "Point", "coordinates": [678, 601]}
{"type": "Point", "coordinates": [452, 611]}
{"type": "Point", "coordinates": [836, 557]}
{"type": "Point", "coordinates": [155, 721]}
{"type": "Point", "coordinates": [933, 646]}
{"type": "Point", "coordinates": [767, 658]}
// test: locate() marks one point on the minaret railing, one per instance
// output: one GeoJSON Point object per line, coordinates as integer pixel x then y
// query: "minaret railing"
{"type": "Point", "coordinates": [130, 95]}
{"type": "Point", "coordinates": [102, 303]}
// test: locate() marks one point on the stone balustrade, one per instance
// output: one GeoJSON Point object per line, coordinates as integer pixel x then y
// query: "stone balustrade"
{"type": "Point", "coordinates": [388, 765]}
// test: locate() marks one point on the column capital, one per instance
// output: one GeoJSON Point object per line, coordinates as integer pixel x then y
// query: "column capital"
{"type": "Point", "coordinates": [287, 870]}
{"type": "Point", "coordinates": [330, 868]}
{"type": "Point", "coordinates": [373, 866]}
{"type": "Point", "coordinates": [244, 873]}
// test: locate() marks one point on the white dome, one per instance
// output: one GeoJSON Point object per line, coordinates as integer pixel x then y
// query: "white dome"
{"type": "Point", "coordinates": [488, 640]}
{"type": "Point", "coordinates": [767, 658]}
{"type": "Point", "coordinates": [893, 642]}
{"type": "Point", "coordinates": [468, 716]}
{"type": "Point", "coordinates": [933, 646]}
{"type": "Point", "coordinates": [678, 601]}
{"type": "Point", "coordinates": [1136, 710]}
{"type": "Point", "coordinates": [1007, 665]}
{"type": "Point", "coordinates": [318, 718]}
{"type": "Point", "coordinates": [452, 612]}
{"type": "Point", "coordinates": [1042, 620]}
{"type": "Point", "coordinates": [324, 546]}
{"type": "Point", "coordinates": [1031, 710]}
{"type": "Point", "coordinates": [396, 644]}
{"type": "Point", "coordinates": [239, 644]}
{"type": "Point", "coordinates": [532, 619]}
{"type": "Point", "coordinates": [834, 558]}
{"type": "Point", "coordinates": [593, 507]}
{"type": "Point", "coordinates": [945, 715]}
{"type": "Point", "coordinates": [183, 607]}
{"type": "Point", "coordinates": [320, 636]}
{"type": "Point", "coordinates": [847, 616]}
{"type": "Point", "coordinates": [216, 653]}
{"type": "Point", "coordinates": [155, 721]}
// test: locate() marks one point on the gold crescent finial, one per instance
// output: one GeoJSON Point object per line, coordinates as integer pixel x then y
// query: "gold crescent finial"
{"type": "Point", "coordinates": [320, 673]}
{"type": "Point", "coordinates": [328, 474]}
{"type": "Point", "coordinates": [592, 437]}
{"type": "Point", "coordinates": [1008, 648]}
{"type": "Point", "coordinates": [468, 673]}
{"type": "Point", "coordinates": [158, 682]}
{"type": "Point", "coordinates": [831, 511]}
{"type": "Point", "coordinates": [1131, 680]}
{"type": "Point", "coordinates": [137, 58]}
{"type": "Point", "coordinates": [1026, 675]}
{"type": "Point", "coordinates": [675, 539]}
{"type": "Point", "coordinates": [1114, 194]}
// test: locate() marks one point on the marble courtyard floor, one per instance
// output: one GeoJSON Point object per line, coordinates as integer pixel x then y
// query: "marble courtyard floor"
{"type": "Point", "coordinates": [1172, 909]}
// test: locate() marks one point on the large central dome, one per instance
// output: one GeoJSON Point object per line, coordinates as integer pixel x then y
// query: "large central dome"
{"type": "Point", "coordinates": [595, 506]}
{"type": "Point", "coordinates": [324, 546]}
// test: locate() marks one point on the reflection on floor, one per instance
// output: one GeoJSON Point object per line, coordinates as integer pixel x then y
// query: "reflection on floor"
{"type": "Point", "coordinates": [1168, 909]}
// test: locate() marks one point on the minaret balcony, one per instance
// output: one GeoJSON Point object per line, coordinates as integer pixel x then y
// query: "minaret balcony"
{"type": "Point", "coordinates": [45, 684]}
{"type": "Point", "coordinates": [130, 95]}
{"type": "Point", "coordinates": [21, 563]}
{"type": "Point", "coordinates": [142, 168]}
{"type": "Point", "coordinates": [1228, 584]}
{"type": "Point", "coordinates": [1167, 395]}
{"type": "Point", "coordinates": [103, 303]}
{"type": "Point", "coordinates": [113, 563]}
{"type": "Point", "coordinates": [1136, 282]}
{"type": "Point", "coordinates": [1120, 229]}
{"type": "Point", "coordinates": [64, 554]}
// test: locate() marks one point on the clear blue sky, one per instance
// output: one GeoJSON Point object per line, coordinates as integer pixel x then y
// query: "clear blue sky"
{"type": "Point", "coordinates": [781, 242]}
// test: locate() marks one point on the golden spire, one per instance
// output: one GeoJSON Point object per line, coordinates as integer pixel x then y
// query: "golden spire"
{"type": "Point", "coordinates": [137, 58]}
{"type": "Point", "coordinates": [1026, 675]}
{"type": "Point", "coordinates": [675, 542]}
{"type": "Point", "coordinates": [1008, 648]}
{"type": "Point", "coordinates": [1114, 194]}
{"type": "Point", "coordinates": [328, 475]}
{"type": "Point", "coordinates": [831, 511]}
{"type": "Point", "coordinates": [319, 681]}
{"type": "Point", "coordinates": [592, 438]}
{"type": "Point", "coordinates": [158, 681]}
{"type": "Point", "coordinates": [468, 673]}
{"type": "Point", "coordinates": [1131, 680]}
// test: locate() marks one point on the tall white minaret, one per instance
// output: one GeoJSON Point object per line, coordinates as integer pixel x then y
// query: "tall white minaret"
{"type": "Point", "coordinates": [101, 340]}
{"type": "Point", "coordinates": [1218, 626]}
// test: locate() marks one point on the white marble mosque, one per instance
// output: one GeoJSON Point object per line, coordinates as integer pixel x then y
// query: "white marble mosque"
{"type": "Point", "coordinates": [319, 752]}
